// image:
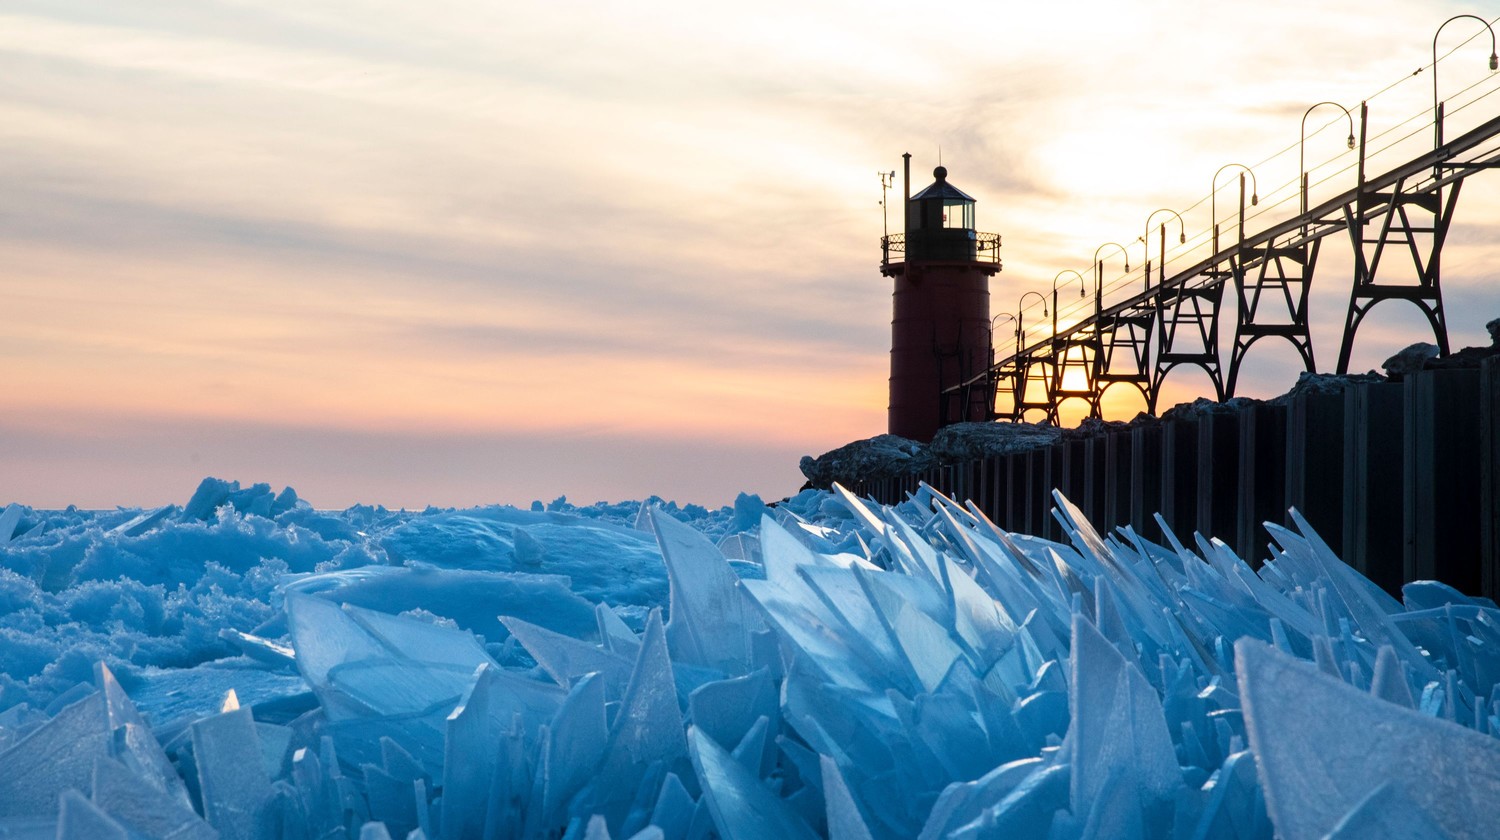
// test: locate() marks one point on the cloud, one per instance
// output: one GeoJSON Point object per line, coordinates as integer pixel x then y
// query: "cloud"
{"type": "Point", "coordinates": [469, 218]}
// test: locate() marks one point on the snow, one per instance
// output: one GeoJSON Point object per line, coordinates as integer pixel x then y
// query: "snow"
{"type": "Point", "coordinates": [245, 666]}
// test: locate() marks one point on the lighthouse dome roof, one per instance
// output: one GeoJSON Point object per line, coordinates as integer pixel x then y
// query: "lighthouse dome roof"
{"type": "Point", "coordinates": [942, 189]}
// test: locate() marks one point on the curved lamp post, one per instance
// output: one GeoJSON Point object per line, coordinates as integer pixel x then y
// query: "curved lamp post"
{"type": "Point", "coordinates": [1059, 276]}
{"type": "Point", "coordinates": [1213, 195]}
{"type": "Point", "coordinates": [1437, 110]}
{"type": "Point", "coordinates": [1021, 316]}
{"type": "Point", "coordinates": [1099, 275]}
{"type": "Point", "coordinates": [1146, 240]}
{"type": "Point", "coordinates": [993, 322]}
{"type": "Point", "coordinates": [1302, 148]}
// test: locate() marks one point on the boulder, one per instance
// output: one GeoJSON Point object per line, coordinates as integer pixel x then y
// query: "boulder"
{"type": "Point", "coordinates": [1409, 360]}
{"type": "Point", "coordinates": [1469, 357]}
{"type": "Point", "coordinates": [882, 456]}
{"type": "Point", "coordinates": [972, 441]}
{"type": "Point", "coordinates": [1189, 410]}
{"type": "Point", "coordinates": [1326, 384]}
{"type": "Point", "coordinates": [1092, 426]}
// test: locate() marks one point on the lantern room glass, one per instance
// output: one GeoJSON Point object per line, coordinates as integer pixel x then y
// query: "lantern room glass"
{"type": "Point", "coordinates": [958, 214]}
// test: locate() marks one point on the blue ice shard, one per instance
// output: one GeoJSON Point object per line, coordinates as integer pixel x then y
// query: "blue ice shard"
{"type": "Point", "coordinates": [499, 709]}
{"type": "Point", "coordinates": [1119, 736]}
{"type": "Point", "coordinates": [378, 674]}
{"type": "Point", "coordinates": [598, 828]}
{"type": "Point", "coordinates": [727, 709]}
{"type": "Point", "coordinates": [963, 803]}
{"type": "Point", "coordinates": [648, 728]}
{"type": "Point", "coordinates": [1387, 814]}
{"type": "Point", "coordinates": [566, 659]}
{"type": "Point", "coordinates": [58, 755]}
{"type": "Point", "coordinates": [672, 809]}
{"type": "Point", "coordinates": [374, 831]}
{"type": "Point", "coordinates": [710, 620]}
{"type": "Point", "coordinates": [844, 820]}
{"type": "Point", "coordinates": [9, 519]}
{"type": "Point", "coordinates": [80, 819]}
{"type": "Point", "coordinates": [142, 809]}
{"type": "Point", "coordinates": [133, 743]}
{"type": "Point", "coordinates": [232, 776]}
{"type": "Point", "coordinates": [1389, 680]}
{"type": "Point", "coordinates": [572, 748]}
{"type": "Point", "coordinates": [742, 808]}
{"type": "Point", "coordinates": [1324, 746]}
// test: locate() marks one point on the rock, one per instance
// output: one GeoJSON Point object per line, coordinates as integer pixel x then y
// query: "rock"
{"type": "Point", "coordinates": [1410, 360]}
{"type": "Point", "coordinates": [1189, 411]}
{"type": "Point", "coordinates": [882, 456]}
{"type": "Point", "coordinates": [1092, 426]}
{"type": "Point", "coordinates": [1469, 357]}
{"type": "Point", "coordinates": [1326, 384]}
{"type": "Point", "coordinates": [971, 441]}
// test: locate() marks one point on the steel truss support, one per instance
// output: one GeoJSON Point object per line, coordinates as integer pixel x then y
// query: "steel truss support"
{"type": "Point", "coordinates": [1188, 326]}
{"type": "Point", "coordinates": [1421, 238]}
{"type": "Point", "coordinates": [1278, 279]}
{"type": "Point", "coordinates": [1003, 381]}
{"type": "Point", "coordinates": [1124, 352]}
{"type": "Point", "coordinates": [1074, 358]}
{"type": "Point", "coordinates": [1031, 374]}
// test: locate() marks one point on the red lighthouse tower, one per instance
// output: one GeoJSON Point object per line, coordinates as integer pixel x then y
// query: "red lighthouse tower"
{"type": "Point", "coordinates": [940, 330]}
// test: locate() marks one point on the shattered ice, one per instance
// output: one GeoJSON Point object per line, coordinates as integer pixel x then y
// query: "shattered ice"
{"type": "Point", "coordinates": [248, 667]}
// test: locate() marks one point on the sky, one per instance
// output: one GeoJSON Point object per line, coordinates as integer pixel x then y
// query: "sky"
{"type": "Point", "coordinates": [464, 252]}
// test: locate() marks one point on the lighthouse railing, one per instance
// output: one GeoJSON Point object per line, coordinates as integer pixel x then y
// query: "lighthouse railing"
{"type": "Point", "coordinates": [986, 248]}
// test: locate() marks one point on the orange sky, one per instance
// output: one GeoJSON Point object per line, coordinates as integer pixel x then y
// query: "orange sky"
{"type": "Point", "coordinates": [458, 253]}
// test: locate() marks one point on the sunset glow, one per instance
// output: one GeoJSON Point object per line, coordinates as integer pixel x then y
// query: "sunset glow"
{"type": "Point", "coordinates": [462, 252]}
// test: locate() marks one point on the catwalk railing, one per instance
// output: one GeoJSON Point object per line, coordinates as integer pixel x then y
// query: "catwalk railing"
{"type": "Point", "coordinates": [1399, 478]}
{"type": "Point", "coordinates": [1401, 215]}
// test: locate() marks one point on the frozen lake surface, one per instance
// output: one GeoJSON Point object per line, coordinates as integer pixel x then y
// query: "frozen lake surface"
{"type": "Point", "coordinates": [246, 666]}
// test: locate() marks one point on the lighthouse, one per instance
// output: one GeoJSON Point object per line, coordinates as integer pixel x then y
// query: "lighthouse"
{"type": "Point", "coordinates": [940, 326]}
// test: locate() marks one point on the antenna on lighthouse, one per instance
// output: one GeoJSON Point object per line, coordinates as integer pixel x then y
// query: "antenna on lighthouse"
{"type": "Point", "coordinates": [887, 181]}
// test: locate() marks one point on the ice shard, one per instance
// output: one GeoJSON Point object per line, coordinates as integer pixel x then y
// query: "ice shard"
{"type": "Point", "coordinates": [727, 709]}
{"type": "Point", "coordinates": [1119, 737]}
{"type": "Point", "coordinates": [61, 753]}
{"type": "Point", "coordinates": [80, 819]}
{"type": "Point", "coordinates": [572, 748]}
{"type": "Point", "coordinates": [142, 809]}
{"type": "Point", "coordinates": [9, 519]}
{"type": "Point", "coordinates": [710, 621]}
{"type": "Point", "coordinates": [648, 729]}
{"type": "Point", "coordinates": [488, 738]}
{"type": "Point", "coordinates": [1387, 813]}
{"type": "Point", "coordinates": [742, 808]}
{"type": "Point", "coordinates": [377, 674]}
{"type": "Point", "coordinates": [566, 659]}
{"type": "Point", "coordinates": [231, 776]}
{"type": "Point", "coordinates": [1324, 746]}
{"type": "Point", "coordinates": [904, 671]}
{"type": "Point", "coordinates": [844, 819]}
